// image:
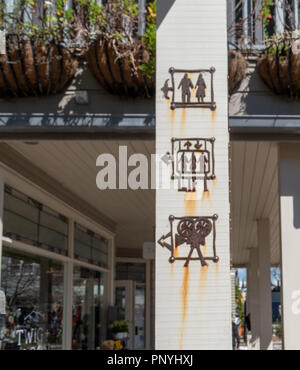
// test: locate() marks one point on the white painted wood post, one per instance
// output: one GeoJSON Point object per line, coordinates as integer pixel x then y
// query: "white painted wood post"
{"type": "Point", "coordinates": [253, 294]}
{"type": "Point", "coordinates": [265, 296]}
{"type": "Point", "coordinates": [290, 236]}
{"type": "Point", "coordinates": [193, 305]}
{"type": "Point", "coordinates": [259, 290]}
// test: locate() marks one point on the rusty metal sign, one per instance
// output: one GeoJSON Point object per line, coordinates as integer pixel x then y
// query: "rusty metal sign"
{"type": "Point", "coordinates": [190, 92]}
{"type": "Point", "coordinates": [192, 232]}
{"type": "Point", "coordinates": [192, 159]}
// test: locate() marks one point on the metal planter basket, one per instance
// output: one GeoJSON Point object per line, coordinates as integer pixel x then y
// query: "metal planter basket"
{"type": "Point", "coordinates": [117, 70]}
{"type": "Point", "coordinates": [281, 73]}
{"type": "Point", "coordinates": [32, 68]}
{"type": "Point", "coordinates": [237, 70]}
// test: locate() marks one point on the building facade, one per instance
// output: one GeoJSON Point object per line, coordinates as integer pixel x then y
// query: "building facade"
{"type": "Point", "coordinates": [156, 251]}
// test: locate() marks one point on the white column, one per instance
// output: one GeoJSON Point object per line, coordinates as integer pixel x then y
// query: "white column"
{"type": "Point", "coordinates": [1, 215]}
{"type": "Point", "coordinates": [68, 291]}
{"type": "Point", "coordinates": [253, 294]}
{"type": "Point", "coordinates": [248, 303]}
{"type": "Point", "coordinates": [142, 17]}
{"type": "Point", "coordinates": [259, 290]}
{"type": "Point", "coordinates": [193, 304]}
{"type": "Point", "coordinates": [279, 16]}
{"type": "Point", "coordinates": [290, 248]}
{"type": "Point", "coordinates": [264, 285]}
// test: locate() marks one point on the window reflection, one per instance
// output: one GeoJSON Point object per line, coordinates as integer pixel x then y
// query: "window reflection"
{"type": "Point", "coordinates": [31, 222]}
{"type": "Point", "coordinates": [34, 302]}
{"type": "Point", "coordinates": [90, 247]}
{"type": "Point", "coordinates": [89, 309]}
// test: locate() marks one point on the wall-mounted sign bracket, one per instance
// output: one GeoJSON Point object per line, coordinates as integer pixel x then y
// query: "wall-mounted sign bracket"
{"type": "Point", "coordinates": [192, 232]}
{"type": "Point", "coordinates": [186, 85]}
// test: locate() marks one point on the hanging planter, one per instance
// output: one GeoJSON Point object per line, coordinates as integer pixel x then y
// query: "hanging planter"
{"type": "Point", "coordinates": [279, 67]}
{"type": "Point", "coordinates": [32, 67]}
{"type": "Point", "coordinates": [237, 70]}
{"type": "Point", "coordinates": [118, 71]}
{"type": "Point", "coordinates": [122, 55]}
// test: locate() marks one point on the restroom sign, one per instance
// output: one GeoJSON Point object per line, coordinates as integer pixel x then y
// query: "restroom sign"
{"type": "Point", "coordinates": [190, 88]}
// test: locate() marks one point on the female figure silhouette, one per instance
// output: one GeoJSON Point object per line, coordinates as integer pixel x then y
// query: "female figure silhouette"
{"type": "Point", "coordinates": [201, 85]}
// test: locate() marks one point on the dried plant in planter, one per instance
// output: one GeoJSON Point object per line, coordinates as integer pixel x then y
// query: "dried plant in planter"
{"type": "Point", "coordinates": [237, 69]}
{"type": "Point", "coordinates": [279, 66]}
{"type": "Point", "coordinates": [123, 62]}
{"type": "Point", "coordinates": [32, 68]}
{"type": "Point", "coordinates": [37, 60]}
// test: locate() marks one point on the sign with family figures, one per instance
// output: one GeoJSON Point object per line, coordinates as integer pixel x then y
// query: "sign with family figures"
{"type": "Point", "coordinates": [191, 232]}
{"type": "Point", "coordinates": [192, 160]}
{"type": "Point", "coordinates": [189, 91]}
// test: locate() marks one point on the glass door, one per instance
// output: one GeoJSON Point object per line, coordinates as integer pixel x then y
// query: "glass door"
{"type": "Point", "coordinates": [139, 317]}
{"type": "Point", "coordinates": [130, 300]}
{"type": "Point", "coordinates": [125, 304]}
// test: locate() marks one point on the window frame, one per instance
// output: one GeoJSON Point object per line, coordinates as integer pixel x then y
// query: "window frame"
{"type": "Point", "coordinates": [257, 29]}
{"type": "Point", "coordinates": [17, 182]}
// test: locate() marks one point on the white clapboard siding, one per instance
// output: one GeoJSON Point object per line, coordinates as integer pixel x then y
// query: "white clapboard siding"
{"type": "Point", "coordinates": [193, 36]}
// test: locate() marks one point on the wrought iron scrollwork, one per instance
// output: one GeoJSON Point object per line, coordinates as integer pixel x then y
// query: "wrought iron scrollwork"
{"type": "Point", "coordinates": [192, 232]}
{"type": "Point", "coordinates": [187, 85]}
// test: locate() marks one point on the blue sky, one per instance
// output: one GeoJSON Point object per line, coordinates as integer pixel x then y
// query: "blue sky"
{"type": "Point", "coordinates": [275, 275]}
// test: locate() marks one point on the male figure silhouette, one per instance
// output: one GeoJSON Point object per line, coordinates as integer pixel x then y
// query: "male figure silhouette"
{"type": "Point", "coordinates": [200, 94]}
{"type": "Point", "coordinates": [186, 86]}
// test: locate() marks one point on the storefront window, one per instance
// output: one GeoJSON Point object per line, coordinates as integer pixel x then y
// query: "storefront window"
{"type": "Point", "coordinates": [33, 223]}
{"type": "Point", "coordinates": [131, 271]}
{"type": "Point", "coordinates": [90, 247]}
{"type": "Point", "coordinates": [89, 309]}
{"type": "Point", "coordinates": [139, 317]}
{"type": "Point", "coordinates": [34, 289]}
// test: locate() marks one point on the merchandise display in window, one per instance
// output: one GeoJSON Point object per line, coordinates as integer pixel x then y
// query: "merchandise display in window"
{"type": "Point", "coordinates": [34, 289]}
{"type": "Point", "coordinates": [89, 309]}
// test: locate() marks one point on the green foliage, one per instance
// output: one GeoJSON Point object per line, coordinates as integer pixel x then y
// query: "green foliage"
{"type": "Point", "coordinates": [50, 22]}
{"type": "Point", "coordinates": [239, 304]}
{"type": "Point", "coordinates": [265, 15]}
{"type": "Point", "coordinates": [120, 326]}
{"type": "Point", "coordinates": [280, 45]}
{"type": "Point", "coordinates": [117, 22]}
{"type": "Point", "coordinates": [149, 39]}
{"type": "Point", "coordinates": [278, 329]}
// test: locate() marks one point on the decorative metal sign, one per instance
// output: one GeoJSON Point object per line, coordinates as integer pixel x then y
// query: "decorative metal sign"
{"type": "Point", "coordinates": [181, 80]}
{"type": "Point", "coordinates": [192, 160]}
{"type": "Point", "coordinates": [192, 232]}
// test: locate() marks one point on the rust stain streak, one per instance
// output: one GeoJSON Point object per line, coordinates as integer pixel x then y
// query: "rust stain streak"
{"type": "Point", "coordinates": [182, 121]}
{"type": "Point", "coordinates": [176, 250]}
{"type": "Point", "coordinates": [171, 116]}
{"type": "Point", "coordinates": [214, 182]}
{"type": "Point", "coordinates": [205, 196]}
{"type": "Point", "coordinates": [213, 117]}
{"type": "Point", "coordinates": [203, 271]}
{"type": "Point", "coordinates": [217, 269]}
{"type": "Point", "coordinates": [184, 298]}
{"type": "Point", "coordinates": [202, 281]}
{"type": "Point", "coordinates": [190, 202]}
